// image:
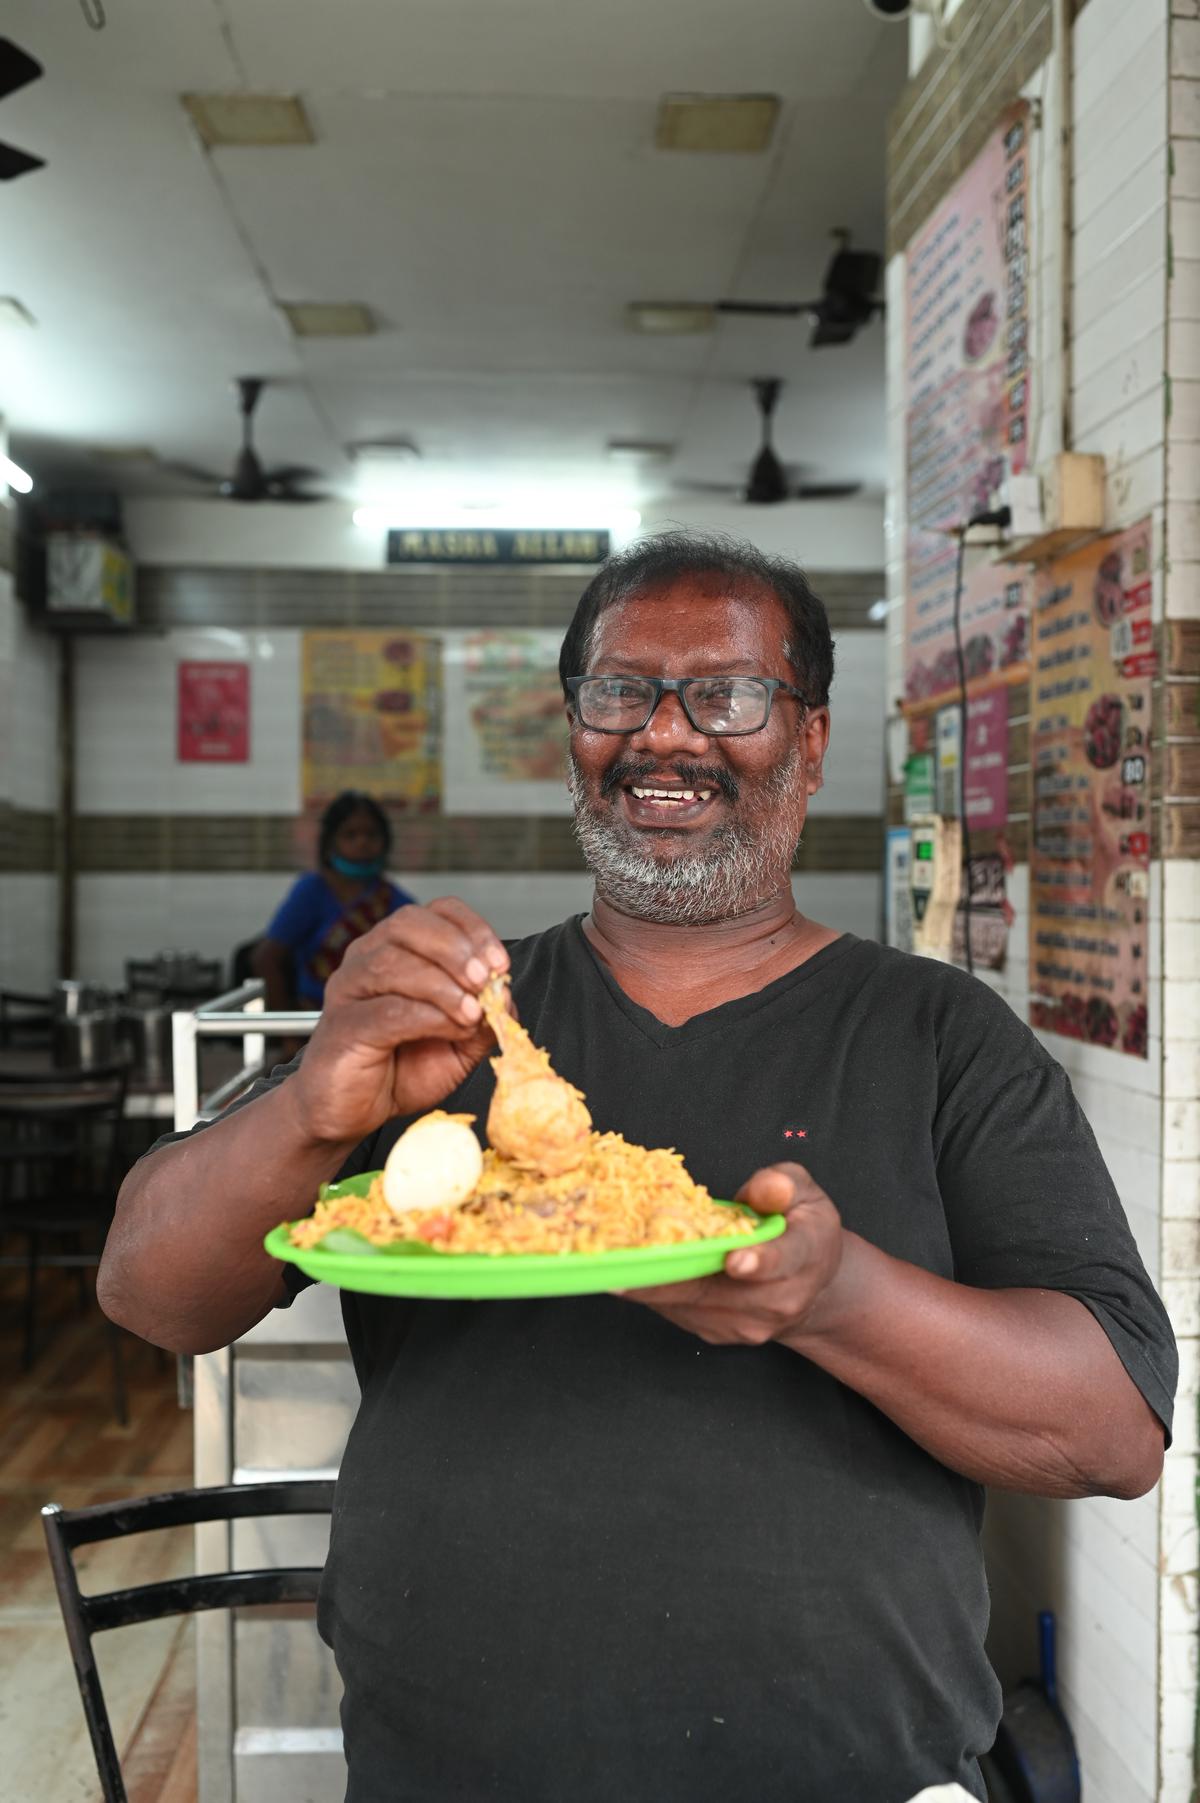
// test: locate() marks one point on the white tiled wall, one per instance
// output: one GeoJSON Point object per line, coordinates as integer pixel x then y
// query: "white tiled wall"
{"type": "Point", "coordinates": [213, 914]}
{"type": "Point", "coordinates": [28, 931]}
{"type": "Point", "coordinates": [1096, 1561]}
{"type": "Point", "coordinates": [28, 778]}
{"type": "Point", "coordinates": [126, 725]}
{"type": "Point", "coordinates": [28, 707]}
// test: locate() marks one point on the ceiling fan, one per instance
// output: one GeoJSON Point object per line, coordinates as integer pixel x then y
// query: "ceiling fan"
{"type": "Point", "coordinates": [849, 298]}
{"type": "Point", "coordinates": [249, 480]}
{"type": "Point", "coordinates": [769, 480]}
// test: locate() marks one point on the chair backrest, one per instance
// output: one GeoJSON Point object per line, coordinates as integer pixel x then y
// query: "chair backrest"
{"type": "Point", "coordinates": [83, 1616]}
{"type": "Point", "coordinates": [83, 1108]}
{"type": "Point", "coordinates": [25, 1019]}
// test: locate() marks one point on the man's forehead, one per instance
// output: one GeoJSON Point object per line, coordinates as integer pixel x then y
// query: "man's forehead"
{"type": "Point", "coordinates": [740, 612]}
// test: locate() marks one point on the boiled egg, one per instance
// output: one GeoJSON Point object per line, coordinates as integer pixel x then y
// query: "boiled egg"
{"type": "Point", "coordinates": [437, 1163]}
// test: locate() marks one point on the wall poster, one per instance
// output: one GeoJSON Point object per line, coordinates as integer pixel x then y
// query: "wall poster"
{"type": "Point", "coordinates": [968, 409]}
{"type": "Point", "coordinates": [371, 713]}
{"type": "Point", "coordinates": [212, 712]}
{"type": "Point", "coordinates": [508, 751]}
{"type": "Point", "coordinates": [1090, 855]}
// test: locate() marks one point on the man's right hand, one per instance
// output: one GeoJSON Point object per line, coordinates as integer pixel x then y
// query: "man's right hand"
{"type": "Point", "coordinates": [401, 1026]}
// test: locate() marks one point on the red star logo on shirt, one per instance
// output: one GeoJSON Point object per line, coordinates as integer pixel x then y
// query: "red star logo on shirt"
{"type": "Point", "coordinates": [795, 1133]}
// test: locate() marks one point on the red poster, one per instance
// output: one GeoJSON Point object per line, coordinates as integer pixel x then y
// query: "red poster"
{"type": "Point", "coordinates": [214, 713]}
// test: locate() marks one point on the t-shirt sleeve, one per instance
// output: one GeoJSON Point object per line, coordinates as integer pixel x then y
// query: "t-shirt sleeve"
{"type": "Point", "coordinates": [299, 913]}
{"type": "Point", "coordinates": [1030, 1205]}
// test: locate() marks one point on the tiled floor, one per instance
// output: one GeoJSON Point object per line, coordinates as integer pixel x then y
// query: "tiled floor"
{"type": "Point", "coordinates": [59, 1441]}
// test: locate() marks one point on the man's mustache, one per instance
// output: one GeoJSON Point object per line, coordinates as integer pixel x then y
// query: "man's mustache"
{"type": "Point", "coordinates": [692, 776]}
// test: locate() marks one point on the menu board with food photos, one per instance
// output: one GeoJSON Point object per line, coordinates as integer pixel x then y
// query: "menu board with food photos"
{"type": "Point", "coordinates": [1094, 661]}
{"type": "Point", "coordinates": [507, 750]}
{"type": "Point", "coordinates": [967, 412]}
{"type": "Point", "coordinates": [371, 705]}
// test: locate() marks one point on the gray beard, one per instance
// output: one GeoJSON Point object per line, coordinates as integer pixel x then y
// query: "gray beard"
{"type": "Point", "coordinates": [732, 874]}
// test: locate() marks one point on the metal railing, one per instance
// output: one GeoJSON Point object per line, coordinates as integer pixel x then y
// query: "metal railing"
{"type": "Point", "coordinates": [239, 1013]}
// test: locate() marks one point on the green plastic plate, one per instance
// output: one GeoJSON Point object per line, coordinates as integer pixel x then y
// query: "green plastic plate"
{"type": "Point", "coordinates": [412, 1269]}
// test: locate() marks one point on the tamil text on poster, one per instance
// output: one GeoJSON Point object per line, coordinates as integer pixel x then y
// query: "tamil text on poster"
{"type": "Point", "coordinates": [1090, 858]}
{"type": "Point", "coordinates": [213, 712]}
{"type": "Point", "coordinates": [371, 712]}
{"type": "Point", "coordinates": [507, 753]}
{"type": "Point", "coordinates": [968, 411]}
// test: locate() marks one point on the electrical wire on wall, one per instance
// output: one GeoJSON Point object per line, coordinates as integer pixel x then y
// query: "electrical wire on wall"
{"type": "Point", "coordinates": [1000, 517]}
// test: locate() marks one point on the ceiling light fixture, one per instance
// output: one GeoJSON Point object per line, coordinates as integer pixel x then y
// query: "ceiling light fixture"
{"type": "Point", "coordinates": [669, 318]}
{"type": "Point", "coordinates": [250, 121]}
{"type": "Point", "coordinates": [328, 319]}
{"type": "Point", "coordinates": [15, 476]}
{"type": "Point", "coordinates": [728, 124]}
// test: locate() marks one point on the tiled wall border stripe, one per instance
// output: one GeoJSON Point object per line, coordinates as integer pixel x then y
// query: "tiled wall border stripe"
{"type": "Point", "coordinates": [417, 598]}
{"type": "Point", "coordinates": [435, 842]}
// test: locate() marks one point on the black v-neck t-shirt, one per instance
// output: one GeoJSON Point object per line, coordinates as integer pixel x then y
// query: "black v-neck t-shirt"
{"type": "Point", "coordinates": [579, 1555]}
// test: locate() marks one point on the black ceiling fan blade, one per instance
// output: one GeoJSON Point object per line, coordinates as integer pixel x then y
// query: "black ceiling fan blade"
{"type": "Point", "coordinates": [826, 491]}
{"type": "Point", "coordinates": [14, 162]}
{"type": "Point", "coordinates": [767, 309]}
{"type": "Point", "coordinates": [17, 68]}
{"type": "Point", "coordinates": [292, 472]}
{"type": "Point", "coordinates": [191, 472]}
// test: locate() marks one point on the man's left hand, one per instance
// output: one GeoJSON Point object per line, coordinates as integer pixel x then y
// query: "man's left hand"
{"type": "Point", "coordinates": [764, 1291]}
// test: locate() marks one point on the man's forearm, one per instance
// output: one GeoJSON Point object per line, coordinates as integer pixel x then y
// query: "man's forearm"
{"type": "Point", "coordinates": [184, 1265]}
{"type": "Point", "coordinates": [1020, 1389]}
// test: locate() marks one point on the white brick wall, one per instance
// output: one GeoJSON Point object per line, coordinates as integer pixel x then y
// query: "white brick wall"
{"type": "Point", "coordinates": [28, 779]}
{"type": "Point", "coordinates": [1096, 1562]}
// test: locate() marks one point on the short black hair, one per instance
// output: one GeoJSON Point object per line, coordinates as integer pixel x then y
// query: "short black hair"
{"type": "Point", "coordinates": [340, 809]}
{"type": "Point", "coordinates": [669, 557]}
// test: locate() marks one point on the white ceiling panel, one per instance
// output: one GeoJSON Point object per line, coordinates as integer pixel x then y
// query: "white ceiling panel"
{"type": "Point", "coordinates": [485, 180]}
{"type": "Point", "coordinates": [629, 48]}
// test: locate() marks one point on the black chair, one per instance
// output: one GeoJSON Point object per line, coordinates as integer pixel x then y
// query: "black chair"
{"type": "Point", "coordinates": [26, 1020]}
{"type": "Point", "coordinates": [60, 1168]}
{"type": "Point", "coordinates": [83, 1616]}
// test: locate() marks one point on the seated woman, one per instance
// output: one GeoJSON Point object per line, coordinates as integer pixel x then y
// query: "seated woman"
{"type": "Point", "coordinates": [328, 908]}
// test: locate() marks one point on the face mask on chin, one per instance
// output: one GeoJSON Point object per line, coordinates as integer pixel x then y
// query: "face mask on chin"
{"type": "Point", "coordinates": [361, 870]}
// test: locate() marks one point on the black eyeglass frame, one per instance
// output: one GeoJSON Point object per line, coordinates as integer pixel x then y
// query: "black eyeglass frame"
{"type": "Point", "coordinates": [678, 685]}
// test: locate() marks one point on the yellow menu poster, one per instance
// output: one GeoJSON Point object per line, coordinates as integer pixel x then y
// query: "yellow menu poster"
{"type": "Point", "coordinates": [371, 712]}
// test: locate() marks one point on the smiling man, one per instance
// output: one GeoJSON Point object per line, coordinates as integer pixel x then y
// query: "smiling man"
{"type": "Point", "coordinates": [716, 1542]}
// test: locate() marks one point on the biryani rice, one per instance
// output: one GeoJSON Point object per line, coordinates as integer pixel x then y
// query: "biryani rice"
{"type": "Point", "coordinates": [619, 1196]}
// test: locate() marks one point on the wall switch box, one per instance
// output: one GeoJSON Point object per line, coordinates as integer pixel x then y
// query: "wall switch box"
{"type": "Point", "coordinates": [1071, 508]}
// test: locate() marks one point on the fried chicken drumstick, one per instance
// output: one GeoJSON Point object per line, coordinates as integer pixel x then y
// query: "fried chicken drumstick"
{"type": "Point", "coordinates": [537, 1119]}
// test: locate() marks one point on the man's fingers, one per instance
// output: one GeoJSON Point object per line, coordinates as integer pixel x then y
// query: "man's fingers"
{"type": "Point", "coordinates": [387, 1021]}
{"type": "Point", "coordinates": [487, 944]}
{"type": "Point", "coordinates": [447, 934]}
{"type": "Point", "coordinates": [394, 970]}
{"type": "Point", "coordinates": [777, 1187]}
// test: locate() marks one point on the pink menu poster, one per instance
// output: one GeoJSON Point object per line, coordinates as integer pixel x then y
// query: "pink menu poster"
{"type": "Point", "coordinates": [968, 411]}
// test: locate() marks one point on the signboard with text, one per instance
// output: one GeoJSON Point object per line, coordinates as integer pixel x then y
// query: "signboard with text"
{"type": "Point", "coordinates": [1091, 746]}
{"type": "Point", "coordinates": [485, 545]}
{"type": "Point", "coordinates": [968, 411]}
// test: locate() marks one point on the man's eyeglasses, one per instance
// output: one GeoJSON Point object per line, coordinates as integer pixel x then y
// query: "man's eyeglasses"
{"type": "Point", "coordinates": [720, 706]}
